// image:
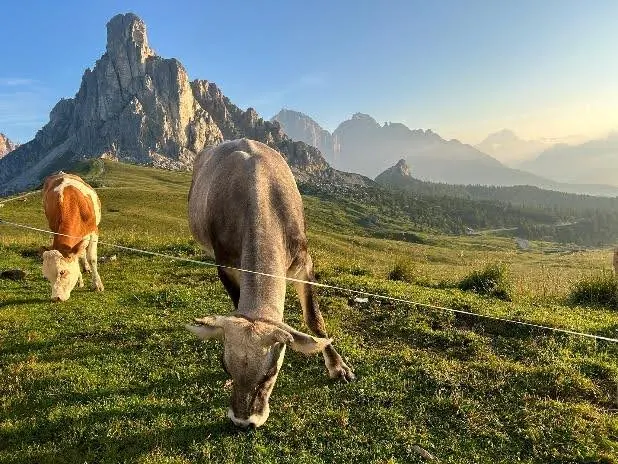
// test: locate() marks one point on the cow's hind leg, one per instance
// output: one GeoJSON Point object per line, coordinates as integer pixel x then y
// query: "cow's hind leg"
{"type": "Point", "coordinates": [231, 287]}
{"type": "Point", "coordinates": [337, 369]}
{"type": "Point", "coordinates": [91, 256]}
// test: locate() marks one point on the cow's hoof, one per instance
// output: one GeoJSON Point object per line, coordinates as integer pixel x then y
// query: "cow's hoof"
{"type": "Point", "coordinates": [80, 284]}
{"type": "Point", "coordinates": [97, 287]}
{"type": "Point", "coordinates": [342, 372]}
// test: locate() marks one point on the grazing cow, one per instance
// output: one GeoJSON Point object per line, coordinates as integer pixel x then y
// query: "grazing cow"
{"type": "Point", "coordinates": [73, 210]}
{"type": "Point", "coordinates": [246, 212]}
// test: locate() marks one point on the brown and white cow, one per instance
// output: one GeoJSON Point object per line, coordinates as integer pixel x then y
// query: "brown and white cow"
{"type": "Point", "coordinates": [73, 209]}
{"type": "Point", "coordinates": [246, 212]}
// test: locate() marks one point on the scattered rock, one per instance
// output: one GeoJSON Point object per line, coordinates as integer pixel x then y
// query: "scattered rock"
{"type": "Point", "coordinates": [104, 259]}
{"type": "Point", "coordinates": [358, 301]}
{"type": "Point", "coordinates": [13, 274]}
{"type": "Point", "coordinates": [424, 453]}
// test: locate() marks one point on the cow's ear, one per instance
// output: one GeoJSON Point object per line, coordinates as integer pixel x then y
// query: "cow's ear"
{"type": "Point", "coordinates": [277, 335]}
{"type": "Point", "coordinates": [307, 344]}
{"type": "Point", "coordinates": [207, 327]}
{"type": "Point", "coordinates": [43, 249]}
{"type": "Point", "coordinates": [77, 250]}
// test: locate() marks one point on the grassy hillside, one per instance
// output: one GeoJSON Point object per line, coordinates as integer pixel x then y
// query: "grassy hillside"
{"type": "Point", "coordinates": [114, 377]}
{"type": "Point", "coordinates": [536, 213]}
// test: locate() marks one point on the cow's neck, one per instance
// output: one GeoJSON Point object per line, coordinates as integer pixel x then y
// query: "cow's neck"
{"type": "Point", "coordinates": [262, 296]}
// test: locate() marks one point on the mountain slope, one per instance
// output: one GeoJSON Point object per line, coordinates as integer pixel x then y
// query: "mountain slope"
{"type": "Point", "coordinates": [299, 126]}
{"type": "Point", "coordinates": [137, 107]}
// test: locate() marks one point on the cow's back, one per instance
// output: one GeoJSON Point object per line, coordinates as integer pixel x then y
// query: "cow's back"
{"type": "Point", "coordinates": [244, 199]}
{"type": "Point", "coordinates": [72, 208]}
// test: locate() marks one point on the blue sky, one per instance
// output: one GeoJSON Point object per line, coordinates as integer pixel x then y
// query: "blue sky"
{"type": "Point", "coordinates": [543, 68]}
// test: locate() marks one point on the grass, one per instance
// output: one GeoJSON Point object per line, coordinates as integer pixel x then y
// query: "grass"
{"type": "Point", "coordinates": [114, 377]}
{"type": "Point", "coordinates": [492, 281]}
{"type": "Point", "coordinates": [599, 290]}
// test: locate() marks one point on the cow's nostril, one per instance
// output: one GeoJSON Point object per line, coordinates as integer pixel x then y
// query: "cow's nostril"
{"type": "Point", "coordinates": [55, 299]}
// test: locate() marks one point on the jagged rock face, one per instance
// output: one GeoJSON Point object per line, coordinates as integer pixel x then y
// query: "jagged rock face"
{"type": "Point", "coordinates": [138, 107]}
{"type": "Point", "coordinates": [306, 161]}
{"type": "Point", "coordinates": [132, 106]}
{"type": "Point", "coordinates": [6, 146]}
{"type": "Point", "coordinates": [299, 126]}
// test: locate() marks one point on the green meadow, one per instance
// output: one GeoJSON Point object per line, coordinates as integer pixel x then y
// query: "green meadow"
{"type": "Point", "coordinates": [114, 377]}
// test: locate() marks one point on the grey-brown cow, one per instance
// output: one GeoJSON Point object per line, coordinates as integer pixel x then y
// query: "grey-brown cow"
{"type": "Point", "coordinates": [246, 212]}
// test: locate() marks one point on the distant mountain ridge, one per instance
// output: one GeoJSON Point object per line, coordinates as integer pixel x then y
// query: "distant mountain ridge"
{"type": "Point", "coordinates": [6, 145]}
{"type": "Point", "coordinates": [508, 148]}
{"type": "Point", "coordinates": [299, 126]}
{"type": "Point", "coordinates": [361, 144]}
{"type": "Point", "coordinates": [595, 161]}
{"type": "Point", "coordinates": [137, 107]}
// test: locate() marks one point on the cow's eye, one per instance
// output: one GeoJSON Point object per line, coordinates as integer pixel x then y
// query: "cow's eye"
{"type": "Point", "coordinates": [62, 273]}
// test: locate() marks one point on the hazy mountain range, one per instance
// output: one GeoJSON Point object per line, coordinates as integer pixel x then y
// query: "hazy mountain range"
{"type": "Point", "coordinates": [360, 144]}
{"type": "Point", "coordinates": [511, 150]}
{"type": "Point", "coordinates": [595, 161]}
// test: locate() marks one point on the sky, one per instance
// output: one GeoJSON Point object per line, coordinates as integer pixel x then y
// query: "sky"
{"type": "Point", "coordinates": [463, 68]}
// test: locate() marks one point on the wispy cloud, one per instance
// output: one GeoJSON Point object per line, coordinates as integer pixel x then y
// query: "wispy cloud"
{"type": "Point", "coordinates": [302, 83]}
{"type": "Point", "coordinates": [17, 81]}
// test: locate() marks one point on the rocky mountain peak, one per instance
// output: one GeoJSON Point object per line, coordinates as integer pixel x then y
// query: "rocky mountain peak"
{"type": "Point", "coordinates": [138, 107]}
{"type": "Point", "coordinates": [395, 175]}
{"type": "Point", "coordinates": [6, 146]}
{"type": "Point", "coordinates": [127, 32]}
{"type": "Point", "coordinates": [402, 168]}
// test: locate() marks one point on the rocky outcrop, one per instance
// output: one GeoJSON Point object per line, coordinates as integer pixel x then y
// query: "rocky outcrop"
{"type": "Point", "coordinates": [137, 107]}
{"type": "Point", "coordinates": [299, 126]}
{"type": "Point", "coordinates": [399, 170]}
{"type": "Point", "coordinates": [6, 146]}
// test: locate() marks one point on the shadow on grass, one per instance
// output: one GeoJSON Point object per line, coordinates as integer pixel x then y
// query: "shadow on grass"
{"type": "Point", "coordinates": [23, 301]}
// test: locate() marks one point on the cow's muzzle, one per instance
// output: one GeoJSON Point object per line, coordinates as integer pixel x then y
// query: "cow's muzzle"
{"type": "Point", "coordinates": [253, 421]}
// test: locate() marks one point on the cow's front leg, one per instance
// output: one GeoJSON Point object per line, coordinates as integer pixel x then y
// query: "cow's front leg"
{"type": "Point", "coordinates": [91, 256]}
{"type": "Point", "coordinates": [80, 280]}
{"type": "Point", "coordinates": [337, 369]}
{"type": "Point", "coordinates": [83, 259]}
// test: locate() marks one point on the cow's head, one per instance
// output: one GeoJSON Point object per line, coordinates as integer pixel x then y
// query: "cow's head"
{"type": "Point", "coordinates": [253, 356]}
{"type": "Point", "coordinates": [62, 271]}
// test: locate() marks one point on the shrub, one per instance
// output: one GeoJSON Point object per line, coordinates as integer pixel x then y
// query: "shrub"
{"type": "Point", "coordinates": [403, 271]}
{"type": "Point", "coordinates": [491, 281]}
{"type": "Point", "coordinates": [598, 290]}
